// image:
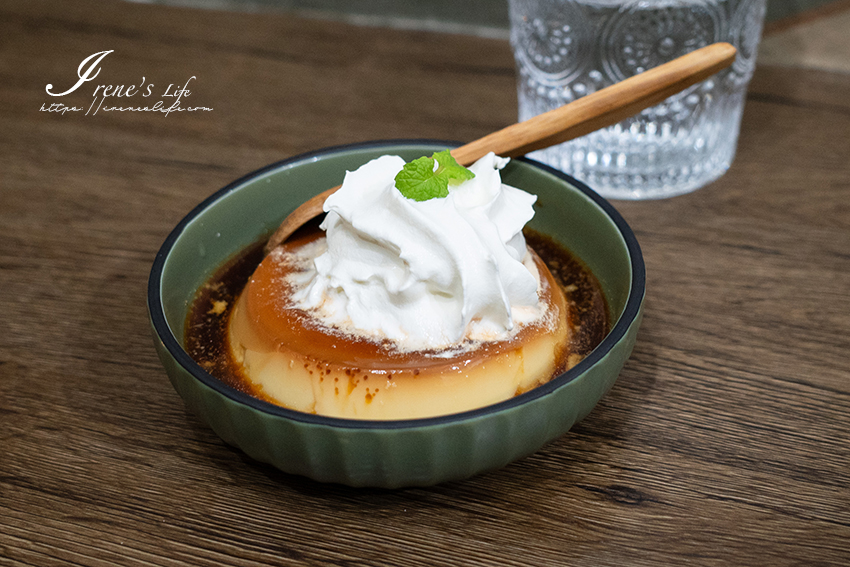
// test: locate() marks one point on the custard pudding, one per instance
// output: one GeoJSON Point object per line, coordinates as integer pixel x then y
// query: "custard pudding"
{"type": "Point", "coordinates": [302, 363]}
{"type": "Point", "coordinates": [420, 298]}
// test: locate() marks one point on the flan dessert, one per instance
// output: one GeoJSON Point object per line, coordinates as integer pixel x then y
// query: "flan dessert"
{"type": "Point", "coordinates": [404, 308]}
{"type": "Point", "coordinates": [301, 362]}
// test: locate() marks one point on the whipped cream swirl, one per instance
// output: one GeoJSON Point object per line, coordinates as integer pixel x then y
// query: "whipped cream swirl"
{"type": "Point", "coordinates": [429, 274]}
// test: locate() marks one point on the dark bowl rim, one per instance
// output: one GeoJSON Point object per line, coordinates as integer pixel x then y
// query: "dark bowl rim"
{"type": "Point", "coordinates": [164, 333]}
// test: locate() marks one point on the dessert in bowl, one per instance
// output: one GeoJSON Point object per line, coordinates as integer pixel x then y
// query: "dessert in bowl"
{"type": "Point", "coordinates": [399, 308]}
{"type": "Point", "coordinates": [401, 447]}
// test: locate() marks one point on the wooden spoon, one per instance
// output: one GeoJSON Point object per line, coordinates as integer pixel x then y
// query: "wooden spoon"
{"type": "Point", "coordinates": [582, 116]}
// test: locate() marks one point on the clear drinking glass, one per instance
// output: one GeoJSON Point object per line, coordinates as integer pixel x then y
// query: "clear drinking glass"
{"type": "Point", "coordinates": [566, 49]}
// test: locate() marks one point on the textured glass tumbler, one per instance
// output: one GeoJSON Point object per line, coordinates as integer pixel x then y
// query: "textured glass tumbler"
{"type": "Point", "coordinates": [566, 49]}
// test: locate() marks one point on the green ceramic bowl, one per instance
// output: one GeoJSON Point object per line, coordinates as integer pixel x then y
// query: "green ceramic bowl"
{"type": "Point", "coordinates": [390, 453]}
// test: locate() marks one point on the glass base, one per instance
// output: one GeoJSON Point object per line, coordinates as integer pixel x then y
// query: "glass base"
{"type": "Point", "coordinates": [629, 184]}
{"type": "Point", "coordinates": [651, 156]}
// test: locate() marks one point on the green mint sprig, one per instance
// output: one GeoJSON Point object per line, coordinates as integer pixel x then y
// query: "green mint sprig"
{"type": "Point", "coordinates": [418, 180]}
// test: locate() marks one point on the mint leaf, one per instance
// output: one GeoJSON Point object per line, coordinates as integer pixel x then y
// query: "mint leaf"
{"type": "Point", "coordinates": [420, 181]}
{"type": "Point", "coordinates": [451, 169]}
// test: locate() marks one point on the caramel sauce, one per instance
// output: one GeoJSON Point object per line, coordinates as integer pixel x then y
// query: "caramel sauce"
{"type": "Point", "coordinates": [589, 321]}
{"type": "Point", "coordinates": [207, 322]}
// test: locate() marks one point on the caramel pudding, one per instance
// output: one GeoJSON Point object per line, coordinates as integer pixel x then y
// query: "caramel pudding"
{"type": "Point", "coordinates": [306, 365]}
{"type": "Point", "coordinates": [211, 316]}
{"type": "Point", "coordinates": [391, 316]}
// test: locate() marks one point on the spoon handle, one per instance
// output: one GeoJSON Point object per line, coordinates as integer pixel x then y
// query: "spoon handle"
{"type": "Point", "coordinates": [602, 108]}
{"type": "Point", "coordinates": [582, 116]}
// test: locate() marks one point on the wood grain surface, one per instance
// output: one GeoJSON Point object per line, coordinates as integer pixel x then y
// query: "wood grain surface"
{"type": "Point", "coordinates": [726, 440]}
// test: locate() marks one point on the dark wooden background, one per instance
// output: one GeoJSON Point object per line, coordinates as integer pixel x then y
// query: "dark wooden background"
{"type": "Point", "coordinates": [725, 441]}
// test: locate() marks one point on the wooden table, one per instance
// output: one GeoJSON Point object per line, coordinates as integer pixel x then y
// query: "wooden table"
{"type": "Point", "coordinates": [724, 442]}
